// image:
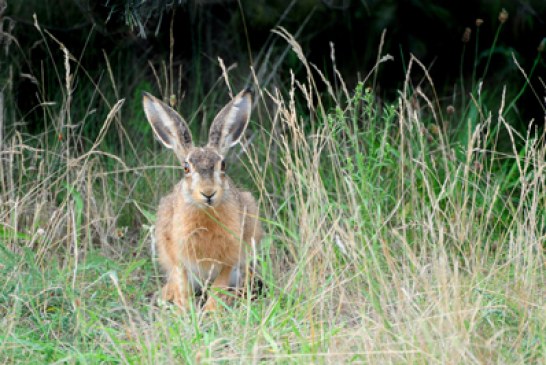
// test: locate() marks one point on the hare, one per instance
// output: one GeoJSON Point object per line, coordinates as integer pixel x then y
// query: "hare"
{"type": "Point", "coordinates": [206, 226]}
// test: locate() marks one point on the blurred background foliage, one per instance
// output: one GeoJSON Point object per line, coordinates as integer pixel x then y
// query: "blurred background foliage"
{"type": "Point", "coordinates": [133, 38]}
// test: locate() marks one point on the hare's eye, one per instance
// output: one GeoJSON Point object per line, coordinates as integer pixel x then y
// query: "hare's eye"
{"type": "Point", "coordinates": [223, 165]}
{"type": "Point", "coordinates": [186, 168]}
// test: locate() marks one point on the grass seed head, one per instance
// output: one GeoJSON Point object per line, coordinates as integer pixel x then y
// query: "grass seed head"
{"type": "Point", "coordinates": [542, 45]}
{"type": "Point", "coordinates": [503, 16]}
{"type": "Point", "coordinates": [466, 35]}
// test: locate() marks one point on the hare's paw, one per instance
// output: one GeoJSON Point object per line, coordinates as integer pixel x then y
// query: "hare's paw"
{"type": "Point", "coordinates": [175, 294]}
{"type": "Point", "coordinates": [211, 305]}
{"type": "Point", "coordinates": [215, 304]}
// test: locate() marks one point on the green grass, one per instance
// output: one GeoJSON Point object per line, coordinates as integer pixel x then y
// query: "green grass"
{"type": "Point", "coordinates": [391, 237]}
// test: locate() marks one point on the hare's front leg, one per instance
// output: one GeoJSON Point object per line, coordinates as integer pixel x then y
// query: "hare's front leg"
{"type": "Point", "coordinates": [176, 288]}
{"type": "Point", "coordinates": [221, 282]}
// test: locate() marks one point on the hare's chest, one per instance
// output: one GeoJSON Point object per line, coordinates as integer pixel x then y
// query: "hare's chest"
{"type": "Point", "coordinates": [209, 239]}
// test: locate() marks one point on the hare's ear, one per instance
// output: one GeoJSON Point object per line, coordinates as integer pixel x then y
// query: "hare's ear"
{"type": "Point", "coordinates": [169, 127]}
{"type": "Point", "coordinates": [230, 123]}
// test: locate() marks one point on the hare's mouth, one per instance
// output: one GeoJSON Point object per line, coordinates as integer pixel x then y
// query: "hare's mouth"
{"type": "Point", "coordinates": [209, 198]}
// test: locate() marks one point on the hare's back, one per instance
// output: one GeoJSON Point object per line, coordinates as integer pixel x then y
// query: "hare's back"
{"type": "Point", "coordinates": [253, 228]}
{"type": "Point", "coordinates": [163, 229]}
{"type": "Point", "coordinates": [165, 212]}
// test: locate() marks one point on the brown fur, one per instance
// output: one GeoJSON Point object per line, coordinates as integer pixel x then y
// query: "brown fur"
{"type": "Point", "coordinates": [205, 227]}
{"type": "Point", "coordinates": [204, 237]}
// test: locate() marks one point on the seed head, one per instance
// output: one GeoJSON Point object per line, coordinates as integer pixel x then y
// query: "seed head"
{"type": "Point", "coordinates": [466, 35]}
{"type": "Point", "coordinates": [542, 45]}
{"type": "Point", "coordinates": [479, 22]}
{"type": "Point", "coordinates": [503, 16]}
{"type": "Point", "coordinates": [450, 109]}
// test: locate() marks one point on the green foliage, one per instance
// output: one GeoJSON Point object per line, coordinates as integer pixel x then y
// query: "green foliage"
{"type": "Point", "coordinates": [396, 232]}
{"type": "Point", "coordinates": [362, 179]}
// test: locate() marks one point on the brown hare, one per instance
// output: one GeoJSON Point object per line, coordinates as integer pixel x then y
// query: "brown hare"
{"type": "Point", "coordinates": [206, 227]}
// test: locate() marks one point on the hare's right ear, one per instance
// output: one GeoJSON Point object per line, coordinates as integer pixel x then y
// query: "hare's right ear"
{"type": "Point", "coordinates": [169, 127]}
{"type": "Point", "coordinates": [230, 123]}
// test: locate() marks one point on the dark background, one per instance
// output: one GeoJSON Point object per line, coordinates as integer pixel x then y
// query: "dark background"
{"type": "Point", "coordinates": [135, 34]}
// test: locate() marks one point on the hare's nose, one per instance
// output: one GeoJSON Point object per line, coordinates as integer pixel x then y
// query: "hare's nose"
{"type": "Point", "coordinates": [208, 196]}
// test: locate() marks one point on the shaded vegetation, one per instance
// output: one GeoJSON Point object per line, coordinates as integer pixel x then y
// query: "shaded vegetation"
{"type": "Point", "coordinates": [130, 34]}
{"type": "Point", "coordinates": [403, 225]}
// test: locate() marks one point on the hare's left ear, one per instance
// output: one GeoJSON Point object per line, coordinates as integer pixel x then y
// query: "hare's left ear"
{"type": "Point", "coordinates": [230, 123]}
{"type": "Point", "coordinates": [169, 127]}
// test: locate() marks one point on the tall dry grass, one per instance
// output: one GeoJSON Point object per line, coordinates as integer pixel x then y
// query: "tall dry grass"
{"type": "Point", "coordinates": [388, 241]}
